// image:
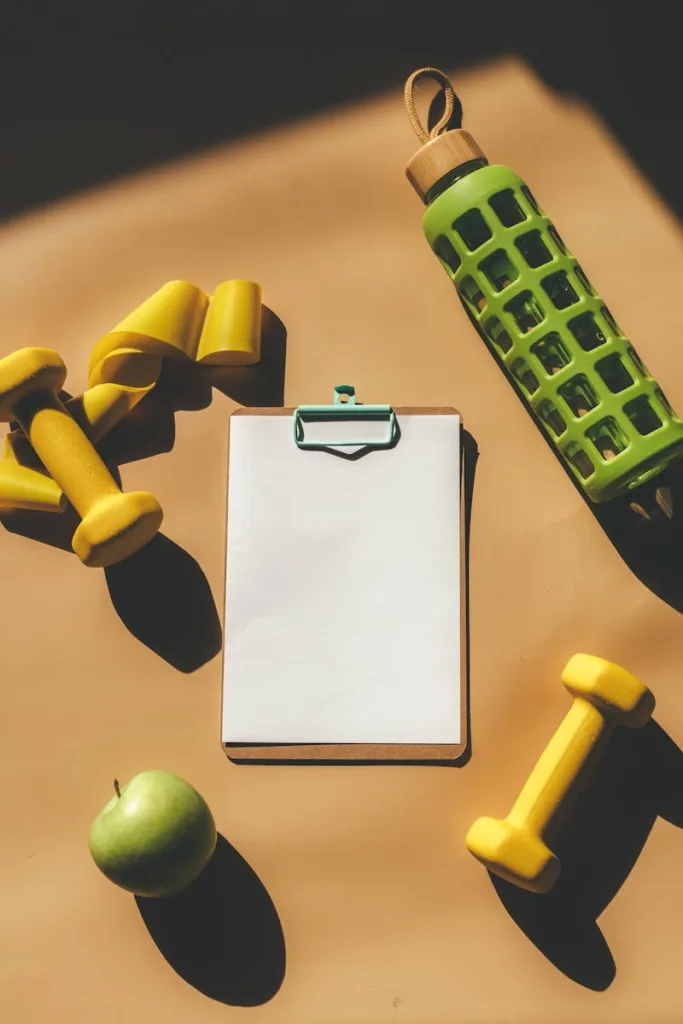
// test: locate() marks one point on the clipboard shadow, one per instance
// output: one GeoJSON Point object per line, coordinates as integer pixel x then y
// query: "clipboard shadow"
{"type": "Point", "coordinates": [469, 458]}
{"type": "Point", "coordinates": [161, 593]}
{"type": "Point", "coordinates": [638, 779]}
{"type": "Point", "coordinates": [222, 934]}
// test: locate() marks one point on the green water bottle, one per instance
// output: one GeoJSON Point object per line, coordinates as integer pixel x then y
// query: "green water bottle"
{"type": "Point", "coordinates": [540, 316]}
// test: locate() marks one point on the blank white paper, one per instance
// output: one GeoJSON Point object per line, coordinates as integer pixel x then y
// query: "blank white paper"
{"type": "Point", "coordinates": [342, 617]}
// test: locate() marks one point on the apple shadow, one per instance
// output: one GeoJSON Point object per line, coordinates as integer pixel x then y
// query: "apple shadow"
{"type": "Point", "coordinates": [598, 841]}
{"type": "Point", "coordinates": [222, 934]}
{"type": "Point", "coordinates": [164, 599]}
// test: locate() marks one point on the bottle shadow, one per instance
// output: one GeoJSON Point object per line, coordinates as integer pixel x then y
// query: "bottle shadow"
{"type": "Point", "coordinates": [653, 551]}
{"type": "Point", "coordinates": [469, 458]}
{"type": "Point", "coordinates": [638, 779]}
{"type": "Point", "coordinates": [160, 593]}
{"type": "Point", "coordinates": [222, 934]}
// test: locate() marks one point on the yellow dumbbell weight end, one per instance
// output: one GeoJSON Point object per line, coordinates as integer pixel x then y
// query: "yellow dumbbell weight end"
{"type": "Point", "coordinates": [605, 695]}
{"type": "Point", "coordinates": [513, 853]}
{"type": "Point", "coordinates": [114, 525]}
{"type": "Point", "coordinates": [25, 372]}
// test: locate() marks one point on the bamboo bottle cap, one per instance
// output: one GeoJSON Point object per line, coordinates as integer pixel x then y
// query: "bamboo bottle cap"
{"type": "Point", "coordinates": [439, 156]}
{"type": "Point", "coordinates": [439, 153]}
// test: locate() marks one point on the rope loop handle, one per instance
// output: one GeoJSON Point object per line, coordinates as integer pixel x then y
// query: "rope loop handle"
{"type": "Point", "coordinates": [424, 135]}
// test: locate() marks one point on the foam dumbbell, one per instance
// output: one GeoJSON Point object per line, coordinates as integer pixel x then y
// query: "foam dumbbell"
{"type": "Point", "coordinates": [605, 695]}
{"type": "Point", "coordinates": [113, 525]}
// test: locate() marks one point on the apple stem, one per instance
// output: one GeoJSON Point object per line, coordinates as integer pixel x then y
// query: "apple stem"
{"type": "Point", "coordinates": [116, 788]}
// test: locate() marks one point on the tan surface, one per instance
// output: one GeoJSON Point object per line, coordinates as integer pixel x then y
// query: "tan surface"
{"type": "Point", "coordinates": [386, 917]}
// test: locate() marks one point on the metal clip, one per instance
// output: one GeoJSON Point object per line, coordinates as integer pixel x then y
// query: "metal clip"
{"type": "Point", "coordinates": [344, 410]}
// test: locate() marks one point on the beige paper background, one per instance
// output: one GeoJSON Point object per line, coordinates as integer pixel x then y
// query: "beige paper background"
{"type": "Point", "coordinates": [385, 915]}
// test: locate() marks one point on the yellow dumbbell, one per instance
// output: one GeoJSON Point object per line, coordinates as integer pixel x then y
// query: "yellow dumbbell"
{"type": "Point", "coordinates": [113, 525]}
{"type": "Point", "coordinates": [605, 695]}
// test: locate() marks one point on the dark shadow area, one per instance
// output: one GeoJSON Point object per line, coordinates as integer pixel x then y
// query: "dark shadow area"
{"type": "Point", "coordinates": [222, 935]}
{"type": "Point", "coordinates": [147, 430]}
{"type": "Point", "coordinates": [164, 599]}
{"type": "Point", "coordinates": [160, 593]}
{"type": "Point", "coordinates": [652, 550]}
{"type": "Point", "coordinates": [52, 528]}
{"type": "Point", "coordinates": [470, 455]}
{"type": "Point", "coordinates": [638, 778]}
{"type": "Point", "coordinates": [202, 75]}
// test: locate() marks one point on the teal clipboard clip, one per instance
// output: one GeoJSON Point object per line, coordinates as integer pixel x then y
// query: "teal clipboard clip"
{"type": "Point", "coordinates": [345, 410]}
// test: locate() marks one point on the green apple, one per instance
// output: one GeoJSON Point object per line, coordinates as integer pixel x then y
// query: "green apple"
{"type": "Point", "coordinates": [154, 836]}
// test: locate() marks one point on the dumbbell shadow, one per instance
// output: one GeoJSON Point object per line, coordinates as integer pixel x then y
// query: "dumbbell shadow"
{"type": "Point", "coordinates": [160, 592]}
{"type": "Point", "coordinates": [598, 841]}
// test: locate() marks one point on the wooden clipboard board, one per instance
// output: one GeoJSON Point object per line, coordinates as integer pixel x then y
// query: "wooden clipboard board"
{"type": "Point", "coordinates": [387, 753]}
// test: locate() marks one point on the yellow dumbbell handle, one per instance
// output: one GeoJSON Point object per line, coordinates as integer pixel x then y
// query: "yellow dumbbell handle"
{"type": "Point", "coordinates": [559, 765]}
{"type": "Point", "coordinates": [65, 451]}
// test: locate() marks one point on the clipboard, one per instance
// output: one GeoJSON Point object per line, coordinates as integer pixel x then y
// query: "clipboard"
{"type": "Point", "coordinates": [287, 471]}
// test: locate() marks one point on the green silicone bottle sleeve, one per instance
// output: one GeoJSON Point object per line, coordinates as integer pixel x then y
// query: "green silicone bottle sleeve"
{"type": "Point", "coordinates": [552, 334]}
